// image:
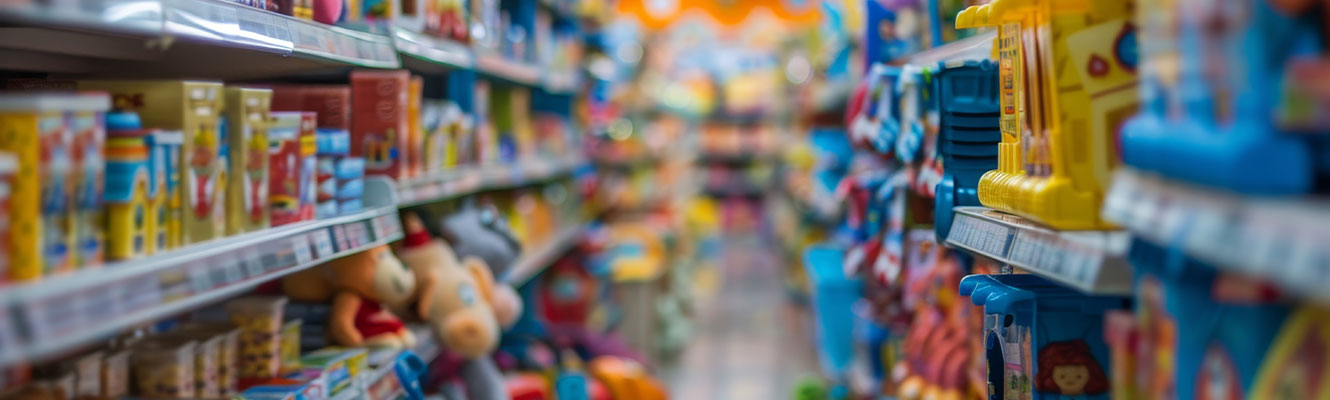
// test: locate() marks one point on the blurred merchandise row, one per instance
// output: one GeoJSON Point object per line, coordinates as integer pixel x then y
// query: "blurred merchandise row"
{"type": "Point", "coordinates": [1078, 199]}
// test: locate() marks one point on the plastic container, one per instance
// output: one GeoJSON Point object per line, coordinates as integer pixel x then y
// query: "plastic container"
{"type": "Point", "coordinates": [164, 369]}
{"type": "Point", "coordinates": [226, 351]}
{"type": "Point", "coordinates": [1057, 150]}
{"type": "Point", "coordinates": [115, 374]}
{"type": "Point", "coordinates": [968, 136]}
{"type": "Point", "coordinates": [260, 321]}
{"type": "Point", "coordinates": [834, 296]}
{"type": "Point", "coordinates": [1034, 329]}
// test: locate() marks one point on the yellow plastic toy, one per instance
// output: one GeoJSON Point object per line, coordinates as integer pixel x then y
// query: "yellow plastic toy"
{"type": "Point", "coordinates": [1068, 82]}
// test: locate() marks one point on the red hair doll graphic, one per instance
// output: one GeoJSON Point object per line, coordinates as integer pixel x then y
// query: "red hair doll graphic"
{"type": "Point", "coordinates": [1068, 368]}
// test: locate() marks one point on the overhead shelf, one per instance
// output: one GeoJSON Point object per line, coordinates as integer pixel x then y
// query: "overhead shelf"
{"type": "Point", "coordinates": [225, 40]}
{"type": "Point", "coordinates": [532, 262]}
{"type": "Point", "coordinates": [1090, 261]}
{"type": "Point", "coordinates": [178, 38]}
{"type": "Point", "coordinates": [1279, 239]}
{"type": "Point", "coordinates": [464, 181]}
{"type": "Point", "coordinates": [57, 314]}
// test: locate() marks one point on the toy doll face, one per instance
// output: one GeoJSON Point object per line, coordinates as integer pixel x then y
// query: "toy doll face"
{"type": "Point", "coordinates": [1071, 378]}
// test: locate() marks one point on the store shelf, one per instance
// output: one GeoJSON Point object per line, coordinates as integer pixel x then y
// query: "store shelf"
{"type": "Point", "coordinates": [1091, 261]}
{"type": "Point", "coordinates": [739, 158]}
{"type": "Point", "coordinates": [178, 38]}
{"type": "Point", "coordinates": [61, 313]}
{"type": "Point", "coordinates": [431, 54]}
{"type": "Point", "coordinates": [463, 181]}
{"type": "Point", "coordinates": [1279, 239]}
{"type": "Point", "coordinates": [496, 66]}
{"type": "Point", "coordinates": [532, 262]}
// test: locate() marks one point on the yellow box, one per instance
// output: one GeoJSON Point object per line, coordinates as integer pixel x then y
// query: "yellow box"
{"type": "Point", "coordinates": [247, 125]}
{"type": "Point", "coordinates": [164, 224]}
{"type": "Point", "coordinates": [1065, 88]}
{"type": "Point", "coordinates": [194, 108]}
{"type": "Point", "coordinates": [36, 129]}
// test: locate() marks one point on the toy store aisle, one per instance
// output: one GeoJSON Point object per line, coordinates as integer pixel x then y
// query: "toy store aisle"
{"type": "Point", "coordinates": [750, 341]}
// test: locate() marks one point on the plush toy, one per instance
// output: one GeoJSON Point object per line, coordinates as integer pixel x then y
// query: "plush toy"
{"type": "Point", "coordinates": [362, 288]}
{"type": "Point", "coordinates": [453, 297]}
{"type": "Point", "coordinates": [477, 231]}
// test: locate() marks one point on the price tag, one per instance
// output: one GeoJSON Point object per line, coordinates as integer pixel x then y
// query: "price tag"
{"type": "Point", "coordinates": [300, 245]}
{"type": "Point", "coordinates": [340, 238]}
{"type": "Point", "coordinates": [252, 259]}
{"type": "Point", "coordinates": [100, 303]}
{"type": "Point", "coordinates": [9, 340]}
{"type": "Point", "coordinates": [323, 243]}
{"type": "Point", "coordinates": [201, 279]}
{"type": "Point", "coordinates": [365, 50]}
{"type": "Point", "coordinates": [307, 37]}
{"type": "Point", "coordinates": [346, 46]}
{"type": "Point", "coordinates": [54, 317]}
{"type": "Point", "coordinates": [376, 228]}
{"type": "Point", "coordinates": [277, 256]}
{"type": "Point", "coordinates": [233, 270]}
{"type": "Point", "coordinates": [140, 292]}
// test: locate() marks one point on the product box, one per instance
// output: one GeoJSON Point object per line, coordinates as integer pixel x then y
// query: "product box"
{"type": "Point", "coordinates": [194, 108]}
{"type": "Point", "coordinates": [246, 116]}
{"type": "Point", "coordinates": [340, 368]}
{"type": "Point", "coordinates": [415, 137]}
{"type": "Point", "coordinates": [35, 128]}
{"type": "Point", "coordinates": [332, 103]}
{"type": "Point", "coordinates": [88, 131]}
{"type": "Point", "coordinates": [8, 169]}
{"type": "Point", "coordinates": [290, 349]}
{"type": "Point", "coordinates": [379, 120]}
{"type": "Point", "coordinates": [129, 205]}
{"type": "Point", "coordinates": [291, 135]}
{"type": "Point", "coordinates": [165, 189]}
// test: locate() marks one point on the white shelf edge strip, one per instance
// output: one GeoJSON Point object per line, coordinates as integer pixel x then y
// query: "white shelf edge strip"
{"type": "Point", "coordinates": [531, 264]}
{"type": "Point", "coordinates": [1090, 261]}
{"type": "Point", "coordinates": [459, 182]}
{"type": "Point", "coordinates": [1280, 239]}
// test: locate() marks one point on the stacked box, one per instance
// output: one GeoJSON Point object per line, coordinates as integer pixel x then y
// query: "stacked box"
{"type": "Point", "coordinates": [247, 190]}
{"type": "Point", "coordinates": [289, 172]}
{"type": "Point", "coordinates": [340, 176]}
{"type": "Point", "coordinates": [194, 108]}
{"type": "Point", "coordinates": [379, 122]}
{"type": "Point", "coordinates": [164, 189]}
{"type": "Point", "coordinates": [36, 129]}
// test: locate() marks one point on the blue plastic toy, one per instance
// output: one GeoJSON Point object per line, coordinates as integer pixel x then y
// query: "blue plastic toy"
{"type": "Point", "coordinates": [1043, 341]}
{"type": "Point", "coordinates": [834, 294]}
{"type": "Point", "coordinates": [1217, 98]}
{"type": "Point", "coordinates": [968, 135]}
{"type": "Point", "coordinates": [1217, 346]}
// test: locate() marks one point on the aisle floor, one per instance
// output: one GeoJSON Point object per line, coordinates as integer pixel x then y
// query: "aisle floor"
{"type": "Point", "coordinates": [750, 341]}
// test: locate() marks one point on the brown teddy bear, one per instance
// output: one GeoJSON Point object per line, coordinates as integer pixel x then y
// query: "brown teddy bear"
{"type": "Point", "coordinates": [455, 298]}
{"type": "Point", "coordinates": [362, 288]}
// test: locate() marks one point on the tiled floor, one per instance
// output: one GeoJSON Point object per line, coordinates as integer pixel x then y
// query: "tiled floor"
{"type": "Point", "coordinates": [749, 341]}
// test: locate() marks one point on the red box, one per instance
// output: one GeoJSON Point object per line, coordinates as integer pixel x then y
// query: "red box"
{"type": "Point", "coordinates": [291, 167]}
{"type": "Point", "coordinates": [379, 120]}
{"type": "Point", "coordinates": [331, 102]}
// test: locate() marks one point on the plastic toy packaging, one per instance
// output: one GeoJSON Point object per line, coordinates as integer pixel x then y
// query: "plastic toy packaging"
{"type": "Point", "coordinates": [221, 342]}
{"type": "Point", "coordinates": [340, 178]}
{"type": "Point", "coordinates": [164, 368]}
{"type": "Point", "coordinates": [1046, 340]}
{"type": "Point", "coordinates": [45, 203]}
{"type": "Point", "coordinates": [194, 108]}
{"type": "Point", "coordinates": [1058, 124]}
{"type": "Point", "coordinates": [260, 321]}
{"type": "Point", "coordinates": [1235, 86]}
{"type": "Point", "coordinates": [247, 119]}
{"type": "Point", "coordinates": [968, 136]}
{"type": "Point", "coordinates": [1202, 334]}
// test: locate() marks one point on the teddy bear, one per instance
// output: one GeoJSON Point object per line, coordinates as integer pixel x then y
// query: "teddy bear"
{"type": "Point", "coordinates": [454, 298]}
{"type": "Point", "coordinates": [362, 289]}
